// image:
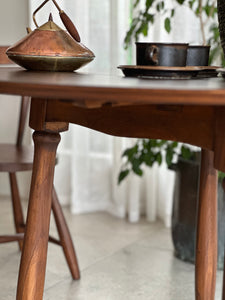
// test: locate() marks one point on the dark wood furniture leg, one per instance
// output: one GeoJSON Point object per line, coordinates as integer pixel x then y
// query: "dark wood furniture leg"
{"type": "Point", "coordinates": [17, 208]}
{"type": "Point", "coordinates": [223, 295]}
{"type": "Point", "coordinates": [64, 236]}
{"type": "Point", "coordinates": [34, 255]}
{"type": "Point", "coordinates": [206, 245]}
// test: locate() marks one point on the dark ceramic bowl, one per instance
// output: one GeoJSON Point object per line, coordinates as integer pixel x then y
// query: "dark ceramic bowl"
{"type": "Point", "coordinates": [198, 55]}
{"type": "Point", "coordinates": [161, 54]}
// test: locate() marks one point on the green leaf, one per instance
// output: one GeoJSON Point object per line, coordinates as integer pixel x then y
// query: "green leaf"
{"type": "Point", "coordinates": [148, 4]}
{"type": "Point", "coordinates": [131, 32]}
{"type": "Point", "coordinates": [221, 176]}
{"type": "Point", "coordinates": [186, 153]}
{"type": "Point", "coordinates": [169, 156]}
{"type": "Point", "coordinates": [148, 159]}
{"type": "Point", "coordinates": [159, 158]}
{"type": "Point", "coordinates": [174, 144]}
{"type": "Point", "coordinates": [123, 175]}
{"type": "Point", "coordinates": [136, 3]}
{"type": "Point", "coordinates": [136, 167]}
{"type": "Point", "coordinates": [207, 9]}
{"type": "Point", "coordinates": [191, 3]}
{"type": "Point", "coordinates": [172, 13]}
{"type": "Point", "coordinates": [153, 143]}
{"type": "Point", "coordinates": [180, 1]}
{"type": "Point", "coordinates": [138, 171]}
{"type": "Point", "coordinates": [150, 18]}
{"type": "Point", "coordinates": [145, 29]}
{"type": "Point", "coordinates": [130, 152]}
{"type": "Point", "coordinates": [167, 25]}
{"type": "Point", "coordinates": [197, 11]}
{"type": "Point", "coordinates": [158, 7]}
{"type": "Point", "coordinates": [160, 143]}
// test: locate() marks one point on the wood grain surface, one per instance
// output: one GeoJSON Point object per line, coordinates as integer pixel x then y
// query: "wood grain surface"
{"type": "Point", "coordinates": [89, 90]}
{"type": "Point", "coordinates": [206, 245]}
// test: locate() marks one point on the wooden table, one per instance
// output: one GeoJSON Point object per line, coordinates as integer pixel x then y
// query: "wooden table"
{"type": "Point", "coordinates": [190, 111]}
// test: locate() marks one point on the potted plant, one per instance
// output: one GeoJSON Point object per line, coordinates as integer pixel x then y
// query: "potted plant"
{"type": "Point", "coordinates": [186, 163]}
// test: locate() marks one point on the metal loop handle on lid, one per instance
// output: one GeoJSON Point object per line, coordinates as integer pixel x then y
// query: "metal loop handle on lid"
{"type": "Point", "coordinates": [65, 19]}
{"type": "Point", "coordinates": [34, 13]}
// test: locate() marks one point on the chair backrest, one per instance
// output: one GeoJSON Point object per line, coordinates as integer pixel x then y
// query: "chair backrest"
{"type": "Point", "coordinates": [4, 60]}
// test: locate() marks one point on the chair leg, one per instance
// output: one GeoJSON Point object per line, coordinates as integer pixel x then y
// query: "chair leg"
{"type": "Point", "coordinates": [65, 237]}
{"type": "Point", "coordinates": [17, 208]}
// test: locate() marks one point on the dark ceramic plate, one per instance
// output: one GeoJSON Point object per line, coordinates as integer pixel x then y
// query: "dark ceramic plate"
{"type": "Point", "coordinates": [159, 72]}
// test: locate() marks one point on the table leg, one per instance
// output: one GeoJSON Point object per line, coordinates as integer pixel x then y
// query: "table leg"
{"type": "Point", "coordinates": [206, 245]}
{"type": "Point", "coordinates": [223, 290]}
{"type": "Point", "coordinates": [34, 255]}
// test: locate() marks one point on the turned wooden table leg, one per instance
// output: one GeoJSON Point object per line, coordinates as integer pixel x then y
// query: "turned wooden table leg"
{"type": "Point", "coordinates": [34, 255]}
{"type": "Point", "coordinates": [223, 297]}
{"type": "Point", "coordinates": [206, 245]}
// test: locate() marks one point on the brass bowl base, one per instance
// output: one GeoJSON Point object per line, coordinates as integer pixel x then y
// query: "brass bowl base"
{"type": "Point", "coordinates": [50, 63]}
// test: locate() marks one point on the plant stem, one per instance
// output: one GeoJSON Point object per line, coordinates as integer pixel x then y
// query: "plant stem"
{"type": "Point", "coordinates": [211, 12]}
{"type": "Point", "coordinates": [201, 22]}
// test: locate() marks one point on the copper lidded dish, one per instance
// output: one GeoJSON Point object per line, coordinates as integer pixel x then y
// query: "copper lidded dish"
{"type": "Point", "coordinates": [50, 48]}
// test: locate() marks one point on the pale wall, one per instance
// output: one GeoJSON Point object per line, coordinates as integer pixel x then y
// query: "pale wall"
{"type": "Point", "coordinates": [13, 23]}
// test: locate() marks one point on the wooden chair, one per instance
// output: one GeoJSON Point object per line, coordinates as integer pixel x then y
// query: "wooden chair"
{"type": "Point", "coordinates": [17, 158]}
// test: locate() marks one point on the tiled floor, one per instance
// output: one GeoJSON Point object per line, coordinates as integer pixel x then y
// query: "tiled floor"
{"type": "Point", "coordinates": [118, 261]}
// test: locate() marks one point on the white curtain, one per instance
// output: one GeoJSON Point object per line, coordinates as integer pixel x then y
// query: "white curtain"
{"type": "Point", "coordinates": [89, 162]}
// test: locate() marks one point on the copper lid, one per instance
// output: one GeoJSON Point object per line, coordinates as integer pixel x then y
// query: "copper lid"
{"type": "Point", "coordinates": [49, 40]}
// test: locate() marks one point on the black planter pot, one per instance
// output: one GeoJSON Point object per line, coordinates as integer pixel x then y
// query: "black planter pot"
{"type": "Point", "coordinates": [185, 212]}
{"type": "Point", "coordinates": [221, 19]}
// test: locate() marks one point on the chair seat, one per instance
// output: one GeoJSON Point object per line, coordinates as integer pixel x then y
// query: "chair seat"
{"type": "Point", "coordinates": [14, 159]}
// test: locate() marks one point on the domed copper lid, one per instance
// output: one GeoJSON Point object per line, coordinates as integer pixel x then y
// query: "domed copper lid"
{"type": "Point", "coordinates": [51, 48]}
